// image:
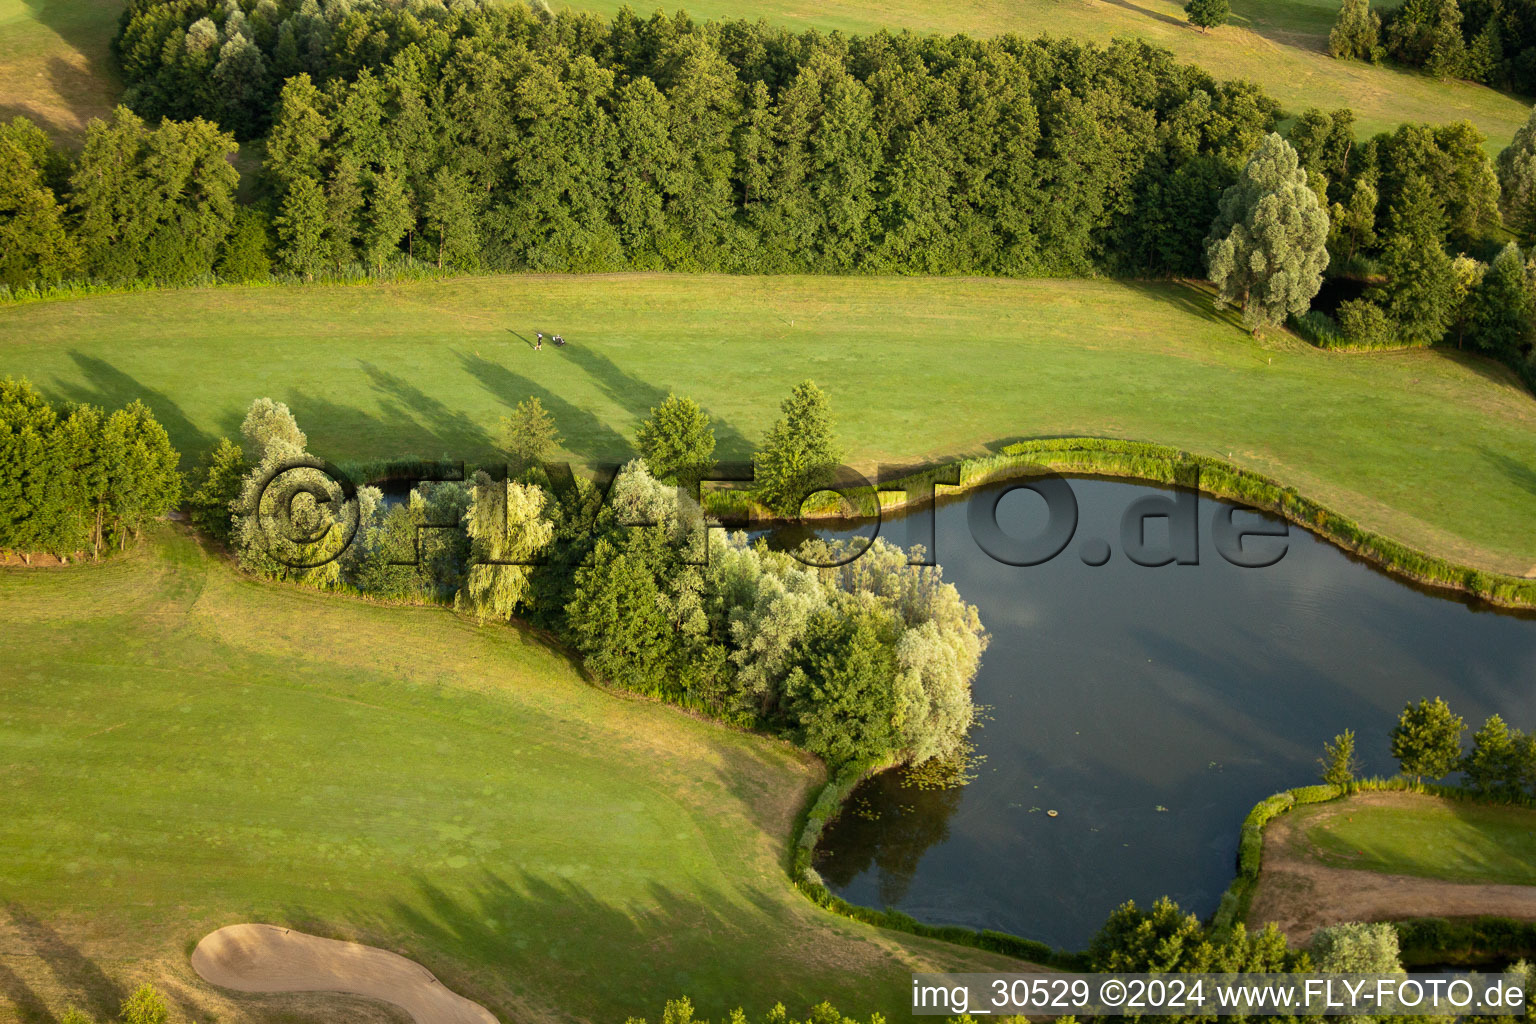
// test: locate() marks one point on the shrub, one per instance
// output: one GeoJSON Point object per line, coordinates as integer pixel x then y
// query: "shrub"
{"type": "Point", "coordinates": [145, 1006]}
{"type": "Point", "coordinates": [1365, 324]}
{"type": "Point", "coordinates": [1357, 949]}
{"type": "Point", "coordinates": [1356, 32]}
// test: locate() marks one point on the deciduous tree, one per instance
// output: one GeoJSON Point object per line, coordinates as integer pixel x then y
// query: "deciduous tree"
{"type": "Point", "coordinates": [1208, 14]}
{"type": "Point", "coordinates": [1356, 31]}
{"type": "Point", "coordinates": [1517, 181]}
{"type": "Point", "coordinates": [676, 440]}
{"type": "Point", "coordinates": [1268, 246]}
{"type": "Point", "coordinates": [507, 529]}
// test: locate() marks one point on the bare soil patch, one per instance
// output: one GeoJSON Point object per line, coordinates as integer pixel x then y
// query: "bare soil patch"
{"type": "Point", "coordinates": [1300, 895]}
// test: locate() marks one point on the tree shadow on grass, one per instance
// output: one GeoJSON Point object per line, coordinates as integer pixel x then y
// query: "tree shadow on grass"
{"type": "Point", "coordinates": [517, 943]}
{"type": "Point", "coordinates": [110, 388]}
{"type": "Point", "coordinates": [27, 1004]}
{"type": "Point", "coordinates": [1519, 473]}
{"type": "Point", "coordinates": [1151, 15]}
{"type": "Point", "coordinates": [1188, 299]}
{"type": "Point", "coordinates": [344, 433]}
{"type": "Point", "coordinates": [1487, 367]}
{"type": "Point", "coordinates": [583, 432]}
{"type": "Point", "coordinates": [405, 402]}
{"type": "Point", "coordinates": [638, 398]}
{"type": "Point", "coordinates": [77, 974]}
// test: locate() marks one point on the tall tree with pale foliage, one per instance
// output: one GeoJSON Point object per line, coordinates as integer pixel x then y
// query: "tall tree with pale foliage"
{"type": "Point", "coordinates": [507, 529]}
{"type": "Point", "coordinates": [1268, 245]}
{"type": "Point", "coordinates": [1357, 949]}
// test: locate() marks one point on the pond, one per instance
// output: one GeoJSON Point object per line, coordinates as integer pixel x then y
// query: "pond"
{"type": "Point", "coordinates": [1150, 708]}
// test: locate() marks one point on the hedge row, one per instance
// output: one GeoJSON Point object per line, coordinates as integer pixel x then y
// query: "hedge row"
{"type": "Point", "coordinates": [1472, 942]}
{"type": "Point", "coordinates": [354, 274]}
{"type": "Point", "coordinates": [1163, 464]}
{"type": "Point", "coordinates": [1250, 849]}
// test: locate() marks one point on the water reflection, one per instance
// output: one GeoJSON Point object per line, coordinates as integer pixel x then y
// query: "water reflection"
{"type": "Point", "coordinates": [887, 827]}
{"type": "Point", "coordinates": [1151, 708]}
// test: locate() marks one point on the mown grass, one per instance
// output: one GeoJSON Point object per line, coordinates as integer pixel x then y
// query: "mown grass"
{"type": "Point", "coordinates": [55, 62]}
{"type": "Point", "coordinates": [1456, 840]}
{"type": "Point", "coordinates": [1426, 447]}
{"type": "Point", "coordinates": [1280, 44]}
{"type": "Point", "coordinates": [190, 748]}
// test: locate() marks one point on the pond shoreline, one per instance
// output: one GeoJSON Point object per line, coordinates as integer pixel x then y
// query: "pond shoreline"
{"type": "Point", "coordinates": [1149, 463]}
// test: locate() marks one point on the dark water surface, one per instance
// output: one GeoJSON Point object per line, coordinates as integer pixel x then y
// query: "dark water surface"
{"type": "Point", "coordinates": [1151, 708]}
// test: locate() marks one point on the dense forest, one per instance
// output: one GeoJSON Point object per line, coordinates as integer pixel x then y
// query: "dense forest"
{"type": "Point", "coordinates": [430, 136]}
{"type": "Point", "coordinates": [486, 135]}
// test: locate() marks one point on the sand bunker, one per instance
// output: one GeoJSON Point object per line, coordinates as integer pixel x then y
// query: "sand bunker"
{"type": "Point", "coordinates": [263, 958]}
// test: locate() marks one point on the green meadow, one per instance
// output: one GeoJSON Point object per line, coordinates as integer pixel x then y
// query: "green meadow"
{"type": "Point", "coordinates": [1450, 839]}
{"type": "Point", "coordinates": [191, 748]}
{"type": "Point", "coordinates": [1429, 447]}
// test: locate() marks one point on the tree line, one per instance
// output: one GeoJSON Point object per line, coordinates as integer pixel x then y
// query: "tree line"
{"type": "Point", "coordinates": [1413, 224]}
{"type": "Point", "coordinates": [74, 478]}
{"type": "Point", "coordinates": [857, 656]}
{"type": "Point", "coordinates": [139, 203]}
{"type": "Point", "coordinates": [481, 135]}
{"type": "Point", "coordinates": [490, 136]}
{"type": "Point", "coordinates": [1427, 743]}
{"type": "Point", "coordinates": [1488, 41]}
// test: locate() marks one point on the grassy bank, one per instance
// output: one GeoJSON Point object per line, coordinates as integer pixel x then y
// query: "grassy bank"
{"type": "Point", "coordinates": [194, 749]}
{"type": "Point", "coordinates": [1459, 841]}
{"type": "Point", "coordinates": [1396, 827]}
{"type": "Point", "coordinates": [1427, 448]}
{"type": "Point", "coordinates": [1218, 478]}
